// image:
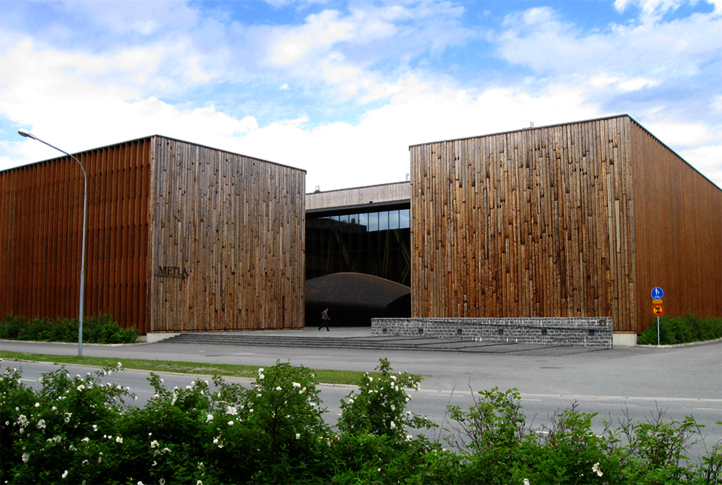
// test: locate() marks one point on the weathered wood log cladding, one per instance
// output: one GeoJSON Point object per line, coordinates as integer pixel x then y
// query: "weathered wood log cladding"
{"type": "Point", "coordinates": [542, 223]}
{"type": "Point", "coordinates": [227, 241]}
{"type": "Point", "coordinates": [41, 219]}
{"type": "Point", "coordinates": [180, 237]}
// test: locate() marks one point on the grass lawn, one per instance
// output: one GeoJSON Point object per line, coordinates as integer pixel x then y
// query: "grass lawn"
{"type": "Point", "coordinates": [230, 370]}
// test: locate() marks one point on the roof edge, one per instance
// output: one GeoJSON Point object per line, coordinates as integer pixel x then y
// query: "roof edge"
{"type": "Point", "coordinates": [524, 129]}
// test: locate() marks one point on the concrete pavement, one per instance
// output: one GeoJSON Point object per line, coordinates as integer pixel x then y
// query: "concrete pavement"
{"type": "Point", "coordinates": [680, 372]}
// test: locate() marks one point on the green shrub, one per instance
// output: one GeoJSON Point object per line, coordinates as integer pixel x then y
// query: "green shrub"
{"type": "Point", "coordinates": [101, 329]}
{"type": "Point", "coordinates": [83, 429]}
{"type": "Point", "coordinates": [681, 329]}
{"type": "Point", "coordinates": [379, 407]}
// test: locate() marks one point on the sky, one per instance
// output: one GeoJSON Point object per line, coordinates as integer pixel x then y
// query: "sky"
{"type": "Point", "coordinates": [341, 89]}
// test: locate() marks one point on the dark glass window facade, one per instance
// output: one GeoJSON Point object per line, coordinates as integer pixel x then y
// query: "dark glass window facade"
{"type": "Point", "coordinates": [371, 242]}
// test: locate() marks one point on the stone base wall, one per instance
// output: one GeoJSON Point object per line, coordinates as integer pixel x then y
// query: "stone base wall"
{"type": "Point", "coordinates": [573, 331]}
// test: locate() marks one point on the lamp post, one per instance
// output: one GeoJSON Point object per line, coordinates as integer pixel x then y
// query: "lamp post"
{"type": "Point", "coordinates": [27, 134]}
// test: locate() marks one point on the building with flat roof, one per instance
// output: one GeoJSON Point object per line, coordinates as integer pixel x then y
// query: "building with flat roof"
{"type": "Point", "coordinates": [577, 220]}
{"type": "Point", "coordinates": [180, 237]}
{"type": "Point", "coordinates": [571, 220]}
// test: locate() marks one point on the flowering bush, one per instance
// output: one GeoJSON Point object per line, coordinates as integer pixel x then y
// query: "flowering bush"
{"type": "Point", "coordinates": [81, 429]}
{"type": "Point", "coordinates": [379, 406]}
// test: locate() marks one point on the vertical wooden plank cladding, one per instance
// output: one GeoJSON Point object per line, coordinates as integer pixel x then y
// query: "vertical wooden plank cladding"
{"type": "Point", "coordinates": [41, 208]}
{"type": "Point", "coordinates": [678, 231]}
{"type": "Point", "coordinates": [236, 225]}
{"type": "Point", "coordinates": [547, 228]}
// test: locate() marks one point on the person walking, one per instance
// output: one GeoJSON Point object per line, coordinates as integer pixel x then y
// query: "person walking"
{"type": "Point", "coordinates": [324, 320]}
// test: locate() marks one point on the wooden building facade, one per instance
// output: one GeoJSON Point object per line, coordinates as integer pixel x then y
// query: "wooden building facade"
{"type": "Point", "coordinates": [579, 219]}
{"type": "Point", "coordinates": [180, 237]}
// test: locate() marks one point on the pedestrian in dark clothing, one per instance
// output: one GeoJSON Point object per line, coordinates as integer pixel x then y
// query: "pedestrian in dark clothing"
{"type": "Point", "coordinates": [324, 320]}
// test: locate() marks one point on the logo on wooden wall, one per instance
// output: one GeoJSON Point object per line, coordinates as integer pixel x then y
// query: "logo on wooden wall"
{"type": "Point", "coordinates": [172, 272]}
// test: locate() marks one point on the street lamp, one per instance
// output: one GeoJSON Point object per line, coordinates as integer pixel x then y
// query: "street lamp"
{"type": "Point", "coordinates": [27, 134]}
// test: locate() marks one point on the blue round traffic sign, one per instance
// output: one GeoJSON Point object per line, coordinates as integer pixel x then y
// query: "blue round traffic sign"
{"type": "Point", "coordinates": [657, 293]}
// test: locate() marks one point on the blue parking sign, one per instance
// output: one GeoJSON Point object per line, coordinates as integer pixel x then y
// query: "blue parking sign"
{"type": "Point", "coordinates": [657, 293]}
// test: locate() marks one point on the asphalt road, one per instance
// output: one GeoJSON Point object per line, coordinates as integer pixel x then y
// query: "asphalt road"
{"type": "Point", "coordinates": [639, 381]}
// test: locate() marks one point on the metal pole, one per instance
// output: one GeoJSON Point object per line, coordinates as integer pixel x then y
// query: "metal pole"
{"type": "Point", "coordinates": [658, 336]}
{"type": "Point", "coordinates": [27, 134]}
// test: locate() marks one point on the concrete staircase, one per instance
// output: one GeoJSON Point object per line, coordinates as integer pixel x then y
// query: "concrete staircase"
{"type": "Point", "coordinates": [324, 340]}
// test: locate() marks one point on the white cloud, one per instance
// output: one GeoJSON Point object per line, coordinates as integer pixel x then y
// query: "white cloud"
{"type": "Point", "coordinates": [343, 50]}
{"type": "Point", "coordinates": [681, 134]}
{"type": "Point", "coordinates": [707, 160]}
{"type": "Point", "coordinates": [603, 80]}
{"type": "Point", "coordinates": [543, 41]}
{"type": "Point", "coordinates": [134, 16]}
{"type": "Point", "coordinates": [319, 33]}
{"type": "Point", "coordinates": [651, 10]}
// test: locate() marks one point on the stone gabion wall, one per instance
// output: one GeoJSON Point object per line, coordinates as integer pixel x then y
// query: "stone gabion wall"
{"type": "Point", "coordinates": [573, 331]}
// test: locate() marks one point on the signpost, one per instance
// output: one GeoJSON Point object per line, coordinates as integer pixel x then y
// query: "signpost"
{"type": "Point", "coordinates": [657, 308]}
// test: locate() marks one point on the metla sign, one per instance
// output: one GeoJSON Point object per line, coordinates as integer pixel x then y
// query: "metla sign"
{"type": "Point", "coordinates": [171, 272]}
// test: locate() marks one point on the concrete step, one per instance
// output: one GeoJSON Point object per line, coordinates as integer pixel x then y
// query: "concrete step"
{"type": "Point", "coordinates": [325, 341]}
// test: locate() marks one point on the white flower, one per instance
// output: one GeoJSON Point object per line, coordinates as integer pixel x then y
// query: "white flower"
{"type": "Point", "coordinates": [279, 388]}
{"type": "Point", "coordinates": [41, 424]}
{"type": "Point", "coordinates": [409, 437]}
{"type": "Point", "coordinates": [231, 410]}
{"type": "Point", "coordinates": [298, 436]}
{"type": "Point", "coordinates": [597, 469]}
{"type": "Point", "coordinates": [161, 481]}
{"type": "Point", "coordinates": [393, 408]}
{"type": "Point", "coordinates": [85, 440]}
{"type": "Point", "coordinates": [26, 457]}
{"type": "Point", "coordinates": [118, 439]}
{"type": "Point", "coordinates": [230, 423]}
{"type": "Point", "coordinates": [65, 474]}
{"type": "Point", "coordinates": [67, 417]}
{"type": "Point", "coordinates": [95, 427]}
{"type": "Point", "coordinates": [199, 482]}
{"type": "Point", "coordinates": [37, 404]}
{"type": "Point", "coordinates": [209, 417]}
{"type": "Point", "coordinates": [166, 450]}
{"type": "Point", "coordinates": [140, 483]}
{"type": "Point", "coordinates": [154, 444]}
{"type": "Point", "coordinates": [200, 465]}
{"type": "Point", "coordinates": [80, 387]}
{"type": "Point", "coordinates": [526, 481]}
{"type": "Point", "coordinates": [371, 379]}
{"type": "Point", "coordinates": [120, 365]}
{"type": "Point", "coordinates": [393, 425]}
{"type": "Point", "coordinates": [154, 463]}
{"type": "Point", "coordinates": [22, 420]}
{"type": "Point", "coordinates": [296, 384]}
